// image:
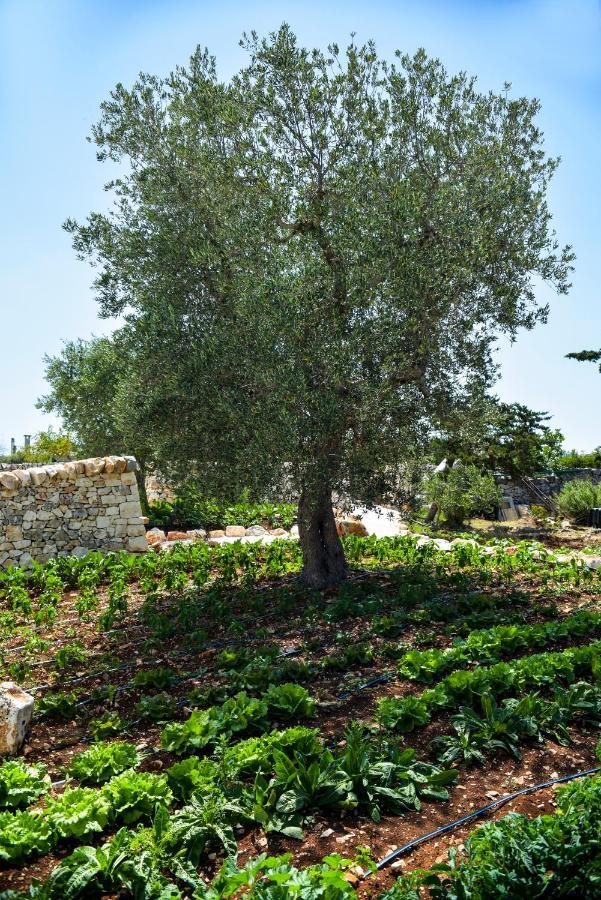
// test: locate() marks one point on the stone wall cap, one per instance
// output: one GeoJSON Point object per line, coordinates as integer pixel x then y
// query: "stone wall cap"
{"type": "Point", "coordinates": [21, 478]}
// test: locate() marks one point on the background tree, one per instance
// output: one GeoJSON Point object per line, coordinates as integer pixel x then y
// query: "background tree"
{"type": "Point", "coordinates": [95, 391]}
{"type": "Point", "coordinates": [586, 356]}
{"type": "Point", "coordinates": [501, 437]}
{"type": "Point", "coordinates": [316, 259]}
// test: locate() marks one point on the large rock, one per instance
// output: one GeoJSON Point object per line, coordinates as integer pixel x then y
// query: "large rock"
{"type": "Point", "coordinates": [9, 481]}
{"type": "Point", "coordinates": [351, 526]}
{"type": "Point", "coordinates": [155, 536]}
{"type": "Point", "coordinates": [137, 544]}
{"type": "Point", "coordinates": [16, 709]}
{"type": "Point", "coordinates": [235, 530]}
{"type": "Point", "coordinates": [256, 531]}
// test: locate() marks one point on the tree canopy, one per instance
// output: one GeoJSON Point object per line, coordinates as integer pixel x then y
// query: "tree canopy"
{"type": "Point", "coordinates": [501, 437]}
{"type": "Point", "coordinates": [314, 261]}
{"type": "Point", "coordinates": [586, 356]}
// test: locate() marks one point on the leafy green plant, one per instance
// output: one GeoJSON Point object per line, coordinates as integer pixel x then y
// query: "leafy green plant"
{"type": "Point", "coordinates": [382, 778]}
{"type": "Point", "coordinates": [135, 795]}
{"type": "Point", "coordinates": [57, 705]}
{"type": "Point", "coordinates": [21, 784]}
{"type": "Point", "coordinates": [192, 775]}
{"type": "Point", "coordinates": [158, 708]}
{"type": "Point", "coordinates": [159, 678]}
{"type": "Point", "coordinates": [23, 834]}
{"type": "Point", "coordinates": [102, 761]}
{"type": "Point", "coordinates": [69, 656]}
{"type": "Point", "coordinates": [402, 714]}
{"type": "Point", "coordinates": [107, 724]}
{"type": "Point", "coordinates": [128, 863]}
{"type": "Point", "coordinates": [238, 714]}
{"type": "Point", "coordinates": [78, 812]}
{"type": "Point", "coordinates": [289, 701]}
{"type": "Point", "coordinates": [206, 822]}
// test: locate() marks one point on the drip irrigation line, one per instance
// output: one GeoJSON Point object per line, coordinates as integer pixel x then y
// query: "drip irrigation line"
{"type": "Point", "coordinates": [377, 679]}
{"type": "Point", "coordinates": [478, 813]}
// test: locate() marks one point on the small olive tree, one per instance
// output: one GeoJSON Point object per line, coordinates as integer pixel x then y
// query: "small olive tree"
{"type": "Point", "coordinates": [315, 259]}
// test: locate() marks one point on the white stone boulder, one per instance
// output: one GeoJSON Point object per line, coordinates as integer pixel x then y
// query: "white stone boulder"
{"type": "Point", "coordinates": [16, 709]}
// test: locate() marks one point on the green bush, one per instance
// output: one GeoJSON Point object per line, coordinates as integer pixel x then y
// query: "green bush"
{"type": "Point", "coordinates": [577, 497]}
{"type": "Point", "coordinates": [461, 493]}
{"type": "Point", "coordinates": [574, 460]}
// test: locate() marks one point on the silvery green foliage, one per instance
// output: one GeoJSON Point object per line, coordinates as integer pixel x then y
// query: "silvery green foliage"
{"type": "Point", "coordinates": [314, 259]}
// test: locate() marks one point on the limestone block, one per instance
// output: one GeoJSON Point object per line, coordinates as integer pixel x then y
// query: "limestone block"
{"type": "Point", "coordinates": [21, 545]}
{"type": "Point", "coordinates": [197, 534]}
{"type": "Point", "coordinates": [256, 531]}
{"type": "Point", "coordinates": [16, 709]}
{"type": "Point", "coordinates": [216, 533]}
{"type": "Point", "coordinates": [136, 530]}
{"type": "Point", "coordinates": [94, 467]}
{"type": "Point", "coordinates": [137, 544]}
{"type": "Point", "coordinates": [23, 476]}
{"type": "Point", "coordinates": [79, 551]}
{"type": "Point", "coordinates": [155, 536]}
{"type": "Point", "coordinates": [235, 531]}
{"type": "Point", "coordinates": [130, 508]}
{"type": "Point", "coordinates": [442, 544]}
{"type": "Point", "coordinates": [278, 532]}
{"type": "Point", "coordinates": [14, 533]}
{"type": "Point", "coordinates": [120, 463]}
{"type": "Point", "coordinates": [131, 464]}
{"type": "Point", "coordinates": [128, 478]}
{"type": "Point", "coordinates": [102, 522]}
{"type": "Point", "coordinates": [9, 481]}
{"type": "Point", "coordinates": [294, 531]}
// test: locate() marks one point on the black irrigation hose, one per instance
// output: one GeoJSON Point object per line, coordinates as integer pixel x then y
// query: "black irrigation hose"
{"type": "Point", "coordinates": [377, 679]}
{"type": "Point", "coordinates": [478, 813]}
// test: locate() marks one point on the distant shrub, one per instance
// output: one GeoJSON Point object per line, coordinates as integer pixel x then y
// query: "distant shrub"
{"type": "Point", "coordinates": [574, 460]}
{"type": "Point", "coordinates": [462, 493]}
{"type": "Point", "coordinates": [577, 497]}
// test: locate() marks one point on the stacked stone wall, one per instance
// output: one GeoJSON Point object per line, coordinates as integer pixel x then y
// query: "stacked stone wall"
{"type": "Point", "coordinates": [70, 508]}
{"type": "Point", "coordinates": [549, 485]}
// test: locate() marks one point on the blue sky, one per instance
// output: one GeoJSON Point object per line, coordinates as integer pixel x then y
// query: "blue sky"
{"type": "Point", "coordinates": [60, 58]}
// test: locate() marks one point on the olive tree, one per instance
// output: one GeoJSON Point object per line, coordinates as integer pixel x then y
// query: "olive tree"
{"type": "Point", "coordinates": [316, 258]}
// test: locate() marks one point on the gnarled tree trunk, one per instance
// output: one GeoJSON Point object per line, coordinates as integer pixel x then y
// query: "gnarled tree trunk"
{"type": "Point", "coordinates": [324, 564]}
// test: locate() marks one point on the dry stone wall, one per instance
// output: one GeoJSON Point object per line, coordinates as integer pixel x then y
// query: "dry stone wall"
{"type": "Point", "coordinates": [549, 485]}
{"type": "Point", "coordinates": [67, 509]}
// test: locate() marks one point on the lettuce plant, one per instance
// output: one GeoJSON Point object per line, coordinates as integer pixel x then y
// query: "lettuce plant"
{"type": "Point", "coordinates": [78, 812]}
{"type": "Point", "coordinates": [102, 761]}
{"type": "Point", "coordinates": [20, 784]}
{"type": "Point", "coordinates": [136, 795]}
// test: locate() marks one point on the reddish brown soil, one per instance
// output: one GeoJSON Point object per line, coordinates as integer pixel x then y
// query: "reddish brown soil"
{"type": "Point", "coordinates": [55, 742]}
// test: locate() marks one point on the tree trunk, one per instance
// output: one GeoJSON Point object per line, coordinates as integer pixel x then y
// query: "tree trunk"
{"type": "Point", "coordinates": [324, 564]}
{"type": "Point", "coordinates": [432, 513]}
{"type": "Point", "coordinates": [141, 479]}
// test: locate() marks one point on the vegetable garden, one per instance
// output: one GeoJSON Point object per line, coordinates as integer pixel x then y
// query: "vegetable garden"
{"type": "Point", "coordinates": [206, 727]}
